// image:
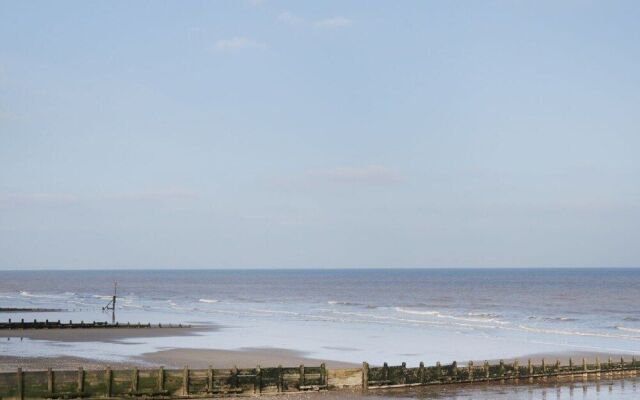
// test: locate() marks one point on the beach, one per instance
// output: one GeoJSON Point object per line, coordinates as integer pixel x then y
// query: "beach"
{"type": "Point", "coordinates": [341, 318]}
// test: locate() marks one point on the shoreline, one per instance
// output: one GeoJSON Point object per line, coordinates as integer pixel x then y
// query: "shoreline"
{"type": "Point", "coordinates": [250, 357]}
{"type": "Point", "coordinates": [104, 335]}
{"type": "Point", "coordinates": [176, 359]}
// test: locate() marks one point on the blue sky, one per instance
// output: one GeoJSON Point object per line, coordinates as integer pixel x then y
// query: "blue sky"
{"type": "Point", "coordinates": [257, 134]}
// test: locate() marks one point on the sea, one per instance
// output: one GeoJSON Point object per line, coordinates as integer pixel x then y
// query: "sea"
{"type": "Point", "coordinates": [355, 315]}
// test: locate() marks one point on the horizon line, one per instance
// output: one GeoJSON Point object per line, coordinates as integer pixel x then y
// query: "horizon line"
{"type": "Point", "coordinates": [271, 268]}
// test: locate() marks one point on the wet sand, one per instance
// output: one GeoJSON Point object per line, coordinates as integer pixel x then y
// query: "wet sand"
{"type": "Point", "coordinates": [107, 335]}
{"type": "Point", "coordinates": [243, 358]}
{"type": "Point", "coordinates": [176, 358]}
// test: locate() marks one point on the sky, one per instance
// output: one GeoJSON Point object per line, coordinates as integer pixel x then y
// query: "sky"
{"type": "Point", "coordinates": [327, 134]}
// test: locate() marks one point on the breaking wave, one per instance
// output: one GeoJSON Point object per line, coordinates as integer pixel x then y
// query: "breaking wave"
{"type": "Point", "coordinates": [482, 318]}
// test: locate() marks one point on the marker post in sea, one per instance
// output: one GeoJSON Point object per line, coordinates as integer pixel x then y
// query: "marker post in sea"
{"type": "Point", "coordinates": [112, 304]}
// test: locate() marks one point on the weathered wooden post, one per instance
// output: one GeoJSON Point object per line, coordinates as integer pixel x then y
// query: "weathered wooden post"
{"type": "Point", "coordinates": [50, 381]}
{"type": "Point", "coordinates": [544, 367]}
{"type": "Point", "coordinates": [161, 379]}
{"type": "Point", "coordinates": [529, 367]}
{"type": "Point", "coordinates": [80, 381]}
{"type": "Point", "coordinates": [438, 370]}
{"type": "Point", "coordinates": [108, 379]}
{"type": "Point", "coordinates": [516, 369]}
{"type": "Point", "coordinates": [385, 373]}
{"type": "Point", "coordinates": [365, 375]}
{"type": "Point", "coordinates": [20, 382]}
{"type": "Point", "coordinates": [210, 379]}
{"type": "Point", "coordinates": [185, 381]}
{"type": "Point", "coordinates": [280, 388]}
{"type": "Point", "coordinates": [501, 369]}
{"type": "Point", "coordinates": [622, 364]}
{"type": "Point", "coordinates": [570, 364]}
{"type": "Point", "coordinates": [486, 369]}
{"type": "Point", "coordinates": [470, 370]}
{"type": "Point", "coordinates": [234, 375]}
{"type": "Point", "coordinates": [421, 374]}
{"type": "Point", "coordinates": [134, 381]}
{"type": "Point", "coordinates": [301, 381]}
{"type": "Point", "coordinates": [323, 375]}
{"type": "Point", "coordinates": [454, 370]}
{"type": "Point", "coordinates": [257, 385]}
{"type": "Point", "coordinates": [557, 366]}
{"type": "Point", "coordinates": [584, 365]}
{"type": "Point", "coordinates": [403, 373]}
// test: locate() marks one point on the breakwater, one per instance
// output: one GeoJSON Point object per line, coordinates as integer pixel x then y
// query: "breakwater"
{"type": "Point", "coordinates": [197, 383]}
{"type": "Point", "coordinates": [46, 324]}
{"type": "Point", "coordinates": [160, 382]}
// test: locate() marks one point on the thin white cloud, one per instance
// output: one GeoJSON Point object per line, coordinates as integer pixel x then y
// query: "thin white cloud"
{"type": "Point", "coordinates": [168, 194]}
{"type": "Point", "coordinates": [55, 198]}
{"type": "Point", "coordinates": [333, 23]}
{"type": "Point", "coordinates": [8, 116]}
{"type": "Point", "coordinates": [238, 43]}
{"type": "Point", "coordinates": [290, 18]}
{"type": "Point", "coordinates": [370, 174]}
{"type": "Point", "coordinates": [256, 3]}
{"type": "Point", "coordinates": [48, 198]}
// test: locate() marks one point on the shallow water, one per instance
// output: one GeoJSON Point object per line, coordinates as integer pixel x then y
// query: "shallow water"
{"type": "Point", "coordinates": [346, 315]}
{"type": "Point", "coordinates": [589, 390]}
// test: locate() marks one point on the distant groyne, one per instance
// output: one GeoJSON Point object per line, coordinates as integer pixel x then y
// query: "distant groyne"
{"type": "Point", "coordinates": [46, 324]}
{"type": "Point", "coordinates": [197, 383]}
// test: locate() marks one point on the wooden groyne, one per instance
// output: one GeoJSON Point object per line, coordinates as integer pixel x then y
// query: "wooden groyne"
{"type": "Point", "coordinates": [199, 383]}
{"type": "Point", "coordinates": [46, 324]}
{"type": "Point", "coordinates": [401, 376]}
{"type": "Point", "coordinates": [160, 382]}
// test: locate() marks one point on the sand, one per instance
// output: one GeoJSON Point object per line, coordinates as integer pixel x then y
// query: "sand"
{"type": "Point", "coordinates": [176, 358]}
{"type": "Point", "coordinates": [107, 335]}
{"type": "Point", "coordinates": [243, 358]}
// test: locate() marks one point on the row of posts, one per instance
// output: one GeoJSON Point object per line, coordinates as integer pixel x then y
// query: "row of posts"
{"type": "Point", "coordinates": [57, 324]}
{"type": "Point", "coordinates": [502, 371]}
{"type": "Point", "coordinates": [234, 381]}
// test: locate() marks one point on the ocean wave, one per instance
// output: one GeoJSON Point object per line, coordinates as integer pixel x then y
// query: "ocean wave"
{"type": "Point", "coordinates": [208, 301]}
{"type": "Point", "coordinates": [417, 322]}
{"type": "Point", "coordinates": [65, 295]}
{"type": "Point", "coordinates": [552, 319]}
{"type": "Point", "coordinates": [102, 297]}
{"type": "Point", "coordinates": [484, 315]}
{"type": "Point", "coordinates": [273, 311]}
{"type": "Point", "coordinates": [438, 314]}
{"type": "Point", "coordinates": [175, 306]}
{"type": "Point", "coordinates": [347, 303]}
{"type": "Point", "coordinates": [416, 312]}
{"type": "Point", "coordinates": [575, 333]}
{"type": "Point", "coordinates": [625, 329]}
